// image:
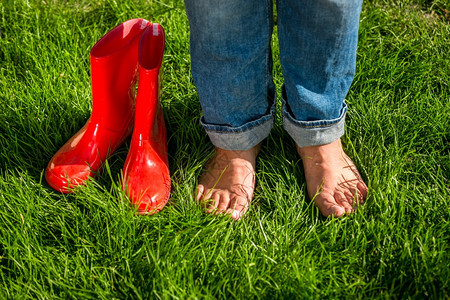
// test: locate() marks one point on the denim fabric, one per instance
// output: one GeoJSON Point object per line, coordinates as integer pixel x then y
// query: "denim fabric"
{"type": "Point", "coordinates": [232, 67]}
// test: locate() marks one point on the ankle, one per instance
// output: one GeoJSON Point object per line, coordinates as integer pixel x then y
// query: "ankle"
{"type": "Point", "coordinates": [321, 151]}
{"type": "Point", "coordinates": [249, 154]}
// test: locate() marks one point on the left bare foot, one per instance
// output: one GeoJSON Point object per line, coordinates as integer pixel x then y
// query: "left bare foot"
{"type": "Point", "coordinates": [332, 180]}
{"type": "Point", "coordinates": [227, 184]}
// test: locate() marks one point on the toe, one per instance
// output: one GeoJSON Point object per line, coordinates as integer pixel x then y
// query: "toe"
{"type": "Point", "coordinates": [223, 202]}
{"type": "Point", "coordinates": [337, 211]}
{"type": "Point", "coordinates": [343, 201]}
{"type": "Point", "coordinates": [362, 188]}
{"type": "Point", "coordinates": [200, 190]}
{"type": "Point", "coordinates": [328, 205]}
{"type": "Point", "coordinates": [212, 202]}
{"type": "Point", "coordinates": [351, 197]}
{"type": "Point", "coordinates": [236, 215]}
{"type": "Point", "coordinates": [354, 197]}
{"type": "Point", "coordinates": [204, 197]}
{"type": "Point", "coordinates": [239, 206]}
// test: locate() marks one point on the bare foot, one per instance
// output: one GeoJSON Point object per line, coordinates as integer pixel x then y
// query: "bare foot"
{"type": "Point", "coordinates": [227, 184]}
{"type": "Point", "coordinates": [332, 180]}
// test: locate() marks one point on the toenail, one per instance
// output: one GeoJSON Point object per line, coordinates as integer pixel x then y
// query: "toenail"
{"type": "Point", "coordinates": [236, 214]}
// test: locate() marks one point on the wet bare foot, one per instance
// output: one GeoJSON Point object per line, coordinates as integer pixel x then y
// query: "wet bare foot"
{"type": "Point", "coordinates": [227, 184]}
{"type": "Point", "coordinates": [332, 180]}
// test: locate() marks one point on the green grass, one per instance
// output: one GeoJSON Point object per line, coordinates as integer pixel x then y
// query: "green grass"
{"type": "Point", "coordinates": [93, 245]}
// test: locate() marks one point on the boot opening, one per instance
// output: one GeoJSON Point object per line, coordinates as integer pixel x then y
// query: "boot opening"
{"type": "Point", "coordinates": [118, 37]}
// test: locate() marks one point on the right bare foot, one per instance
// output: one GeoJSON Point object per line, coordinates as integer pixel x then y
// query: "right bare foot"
{"type": "Point", "coordinates": [332, 180]}
{"type": "Point", "coordinates": [227, 184]}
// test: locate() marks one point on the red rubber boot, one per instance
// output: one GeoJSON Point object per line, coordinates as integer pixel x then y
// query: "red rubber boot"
{"type": "Point", "coordinates": [114, 60]}
{"type": "Point", "coordinates": [146, 175]}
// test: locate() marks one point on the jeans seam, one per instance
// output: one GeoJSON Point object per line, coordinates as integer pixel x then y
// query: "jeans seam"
{"type": "Point", "coordinates": [269, 46]}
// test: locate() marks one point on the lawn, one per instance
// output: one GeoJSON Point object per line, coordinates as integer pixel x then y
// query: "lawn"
{"type": "Point", "coordinates": [92, 244]}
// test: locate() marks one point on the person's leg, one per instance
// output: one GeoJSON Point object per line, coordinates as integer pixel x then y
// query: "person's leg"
{"type": "Point", "coordinates": [232, 70]}
{"type": "Point", "coordinates": [318, 40]}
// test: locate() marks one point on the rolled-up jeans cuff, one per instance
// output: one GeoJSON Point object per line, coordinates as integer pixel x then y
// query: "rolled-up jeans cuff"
{"type": "Point", "coordinates": [314, 133]}
{"type": "Point", "coordinates": [240, 138]}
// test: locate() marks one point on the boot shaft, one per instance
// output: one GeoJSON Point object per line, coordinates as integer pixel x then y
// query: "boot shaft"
{"type": "Point", "coordinates": [114, 63]}
{"type": "Point", "coordinates": [151, 51]}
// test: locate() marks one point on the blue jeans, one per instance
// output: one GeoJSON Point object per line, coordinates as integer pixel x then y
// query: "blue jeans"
{"type": "Point", "coordinates": [232, 67]}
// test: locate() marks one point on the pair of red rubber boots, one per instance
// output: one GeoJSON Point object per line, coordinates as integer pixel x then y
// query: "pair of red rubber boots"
{"type": "Point", "coordinates": [130, 53]}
